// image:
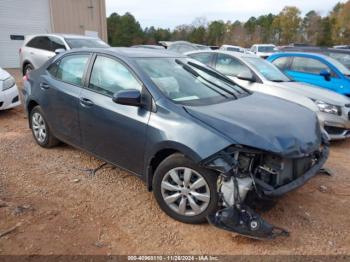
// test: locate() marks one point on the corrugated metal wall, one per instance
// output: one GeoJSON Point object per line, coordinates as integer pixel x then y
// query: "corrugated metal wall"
{"type": "Point", "coordinates": [79, 16]}
{"type": "Point", "coordinates": [19, 18]}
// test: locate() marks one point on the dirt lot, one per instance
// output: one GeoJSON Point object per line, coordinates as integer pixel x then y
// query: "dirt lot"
{"type": "Point", "coordinates": [60, 209]}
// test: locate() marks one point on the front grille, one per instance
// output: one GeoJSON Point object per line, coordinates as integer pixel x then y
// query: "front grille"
{"type": "Point", "coordinates": [332, 130]}
{"type": "Point", "coordinates": [15, 99]}
{"type": "Point", "coordinates": [347, 105]}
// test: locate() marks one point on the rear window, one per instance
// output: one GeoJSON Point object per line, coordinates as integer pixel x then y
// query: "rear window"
{"type": "Point", "coordinates": [85, 43]}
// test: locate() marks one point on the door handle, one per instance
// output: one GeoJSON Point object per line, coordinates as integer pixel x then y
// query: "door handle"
{"type": "Point", "coordinates": [86, 102]}
{"type": "Point", "coordinates": [44, 86]}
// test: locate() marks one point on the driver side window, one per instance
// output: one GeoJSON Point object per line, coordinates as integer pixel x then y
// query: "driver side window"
{"type": "Point", "coordinates": [229, 66]}
{"type": "Point", "coordinates": [109, 76]}
{"type": "Point", "coordinates": [308, 65]}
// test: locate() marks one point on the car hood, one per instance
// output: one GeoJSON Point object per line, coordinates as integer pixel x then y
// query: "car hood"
{"type": "Point", "coordinates": [263, 122]}
{"type": "Point", "coordinates": [3, 74]}
{"type": "Point", "coordinates": [276, 89]}
{"type": "Point", "coordinates": [314, 92]}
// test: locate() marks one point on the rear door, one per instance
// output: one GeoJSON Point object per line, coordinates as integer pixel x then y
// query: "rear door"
{"type": "Point", "coordinates": [307, 70]}
{"type": "Point", "coordinates": [38, 51]}
{"type": "Point", "coordinates": [112, 131]}
{"type": "Point", "coordinates": [61, 88]}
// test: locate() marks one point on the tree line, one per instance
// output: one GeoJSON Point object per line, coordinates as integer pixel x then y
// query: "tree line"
{"type": "Point", "coordinates": [285, 28]}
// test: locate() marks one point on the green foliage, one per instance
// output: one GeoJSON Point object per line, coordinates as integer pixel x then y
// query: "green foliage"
{"type": "Point", "coordinates": [285, 28]}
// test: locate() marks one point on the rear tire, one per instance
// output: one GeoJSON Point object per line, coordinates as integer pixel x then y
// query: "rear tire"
{"type": "Point", "coordinates": [27, 68]}
{"type": "Point", "coordinates": [185, 191]}
{"type": "Point", "coordinates": [40, 129]}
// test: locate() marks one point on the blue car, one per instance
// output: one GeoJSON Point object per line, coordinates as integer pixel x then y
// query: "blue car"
{"type": "Point", "coordinates": [315, 69]}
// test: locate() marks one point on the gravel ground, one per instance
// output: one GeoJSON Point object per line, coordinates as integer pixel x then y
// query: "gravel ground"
{"type": "Point", "coordinates": [56, 207]}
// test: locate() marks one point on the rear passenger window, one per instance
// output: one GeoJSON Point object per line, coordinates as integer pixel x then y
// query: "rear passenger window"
{"type": "Point", "coordinates": [52, 69]}
{"type": "Point", "coordinates": [40, 42]}
{"type": "Point", "coordinates": [71, 69]}
{"type": "Point", "coordinates": [282, 62]}
{"type": "Point", "coordinates": [308, 65]}
{"type": "Point", "coordinates": [109, 76]}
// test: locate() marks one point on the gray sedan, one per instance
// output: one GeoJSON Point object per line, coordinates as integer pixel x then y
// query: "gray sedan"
{"type": "Point", "coordinates": [259, 75]}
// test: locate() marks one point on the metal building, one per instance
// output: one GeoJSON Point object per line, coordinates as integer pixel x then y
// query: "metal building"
{"type": "Point", "coordinates": [25, 17]}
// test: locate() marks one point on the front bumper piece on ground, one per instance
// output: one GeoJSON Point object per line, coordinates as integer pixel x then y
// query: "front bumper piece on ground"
{"type": "Point", "coordinates": [243, 220]}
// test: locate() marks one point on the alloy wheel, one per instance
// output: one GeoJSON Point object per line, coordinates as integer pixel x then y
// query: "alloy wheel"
{"type": "Point", "coordinates": [185, 191]}
{"type": "Point", "coordinates": [39, 127]}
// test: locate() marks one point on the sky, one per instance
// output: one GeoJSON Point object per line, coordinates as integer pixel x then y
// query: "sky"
{"type": "Point", "coordinates": [170, 13]}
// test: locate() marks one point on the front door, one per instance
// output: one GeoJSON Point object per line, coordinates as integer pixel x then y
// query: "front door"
{"type": "Point", "coordinates": [307, 70]}
{"type": "Point", "coordinates": [112, 131]}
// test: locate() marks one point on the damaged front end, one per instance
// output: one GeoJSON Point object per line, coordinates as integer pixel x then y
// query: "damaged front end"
{"type": "Point", "coordinates": [245, 171]}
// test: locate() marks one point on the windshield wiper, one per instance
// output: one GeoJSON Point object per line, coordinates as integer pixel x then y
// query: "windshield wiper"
{"type": "Point", "coordinates": [213, 74]}
{"type": "Point", "coordinates": [278, 81]}
{"type": "Point", "coordinates": [196, 74]}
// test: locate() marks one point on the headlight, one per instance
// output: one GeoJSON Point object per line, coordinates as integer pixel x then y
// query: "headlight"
{"type": "Point", "coordinates": [8, 83]}
{"type": "Point", "coordinates": [328, 108]}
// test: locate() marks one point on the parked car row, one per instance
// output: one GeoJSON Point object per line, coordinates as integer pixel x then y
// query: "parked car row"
{"type": "Point", "coordinates": [259, 75]}
{"type": "Point", "coordinates": [212, 133]}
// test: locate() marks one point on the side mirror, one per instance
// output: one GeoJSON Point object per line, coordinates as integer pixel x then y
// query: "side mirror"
{"type": "Point", "coordinates": [246, 75]}
{"type": "Point", "coordinates": [59, 51]}
{"type": "Point", "coordinates": [129, 97]}
{"type": "Point", "coordinates": [326, 74]}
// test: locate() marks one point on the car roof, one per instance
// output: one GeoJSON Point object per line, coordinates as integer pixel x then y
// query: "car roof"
{"type": "Point", "coordinates": [70, 36]}
{"type": "Point", "coordinates": [231, 53]}
{"type": "Point", "coordinates": [305, 54]}
{"type": "Point", "coordinates": [133, 52]}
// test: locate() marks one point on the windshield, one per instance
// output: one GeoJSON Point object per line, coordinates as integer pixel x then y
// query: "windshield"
{"type": "Point", "coordinates": [85, 43]}
{"type": "Point", "coordinates": [187, 82]}
{"type": "Point", "coordinates": [268, 70]}
{"type": "Point", "coordinates": [234, 49]}
{"type": "Point", "coordinates": [266, 49]}
{"type": "Point", "coordinates": [339, 66]}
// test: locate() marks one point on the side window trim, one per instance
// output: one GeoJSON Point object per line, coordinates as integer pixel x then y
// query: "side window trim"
{"type": "Point", "coordinates": [91, 66]}
{"type": "Point", "coordinates": [85, 70]}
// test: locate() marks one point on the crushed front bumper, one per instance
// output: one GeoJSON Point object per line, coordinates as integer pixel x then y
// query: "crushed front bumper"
{"type": "Point", "coordinates": [240, 218]}
{"type": "Point", "coordinates": [269, 191]}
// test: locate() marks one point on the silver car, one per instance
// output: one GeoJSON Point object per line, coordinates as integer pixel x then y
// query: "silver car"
{"type": "Point", "coordinates": [37, 49]}
{"type": "Point", "coordinates": [259, 75]}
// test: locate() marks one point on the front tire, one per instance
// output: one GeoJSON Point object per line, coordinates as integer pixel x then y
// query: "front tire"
{"type": "Point", "coordinates": [185, 191]}
{"type": "Point", "coordinates": [40, 129]}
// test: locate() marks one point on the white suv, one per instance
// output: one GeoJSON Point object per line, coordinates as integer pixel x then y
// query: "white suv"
{"type": "Point", "coordinates": [263, 50]}
{"type": "Point", "coordinates": [37, 49]}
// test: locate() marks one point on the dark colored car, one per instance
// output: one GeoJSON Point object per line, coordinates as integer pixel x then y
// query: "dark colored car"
{"type": "Point", "coordinates": [203, 144]}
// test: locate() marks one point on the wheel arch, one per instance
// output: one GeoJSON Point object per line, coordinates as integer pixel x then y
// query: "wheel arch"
{"type": "Point", "coordinates": [31, 104]}
{"type": "Point", "coordinates": [161, 153]}
{"type": "Point", "coordinates": [25, 62]}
